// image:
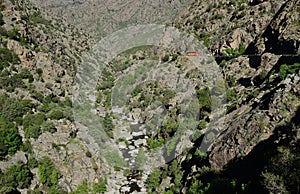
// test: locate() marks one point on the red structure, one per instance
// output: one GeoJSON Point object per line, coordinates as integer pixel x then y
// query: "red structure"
{"type": "Point", "coordinates": [192, 54]}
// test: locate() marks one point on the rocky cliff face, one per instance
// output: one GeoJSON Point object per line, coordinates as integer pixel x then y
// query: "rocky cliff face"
{"type": "Point", "coordinates": [253, 41]}
{"type": "Point", "coordinates": [268, 31]}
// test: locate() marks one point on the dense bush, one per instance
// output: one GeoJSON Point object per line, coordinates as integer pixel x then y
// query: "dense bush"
{"type": "Point", "coordinates": [16, 176]}
{"type": "Point", "coordinates": [11, 108]}
{"type": "Point", "coordinates": [34, 119]}
{"type": "Point", "coordinates": [204, 99]}
{"type": "Point", "coordinates": [37, 95]}
{"type": "Point", "coordinates": [48, 174]}
{"type": "Point", "coordinates": [37, 18]}
{"type": "Point", "coordinates": [216, 184]}
{"type": "Point", "coordinates": [10, 140]}
{"type": "Point", "coordinates": [49, 127]}
{"type": "Point", "coordinates": [32, 131]}
{"type": "Point", "coordinates": [16, 81]}
{"type": "Point", "coordinates": [11, 82]}
{"type": "Point", "coordinates": [32, 124]}
{"type": "Point", "coordinates": [281, 174]}
{"type": "Point", "coordinates": [25, 74]}
{"type": "Point", "coordinates": [7, 57]}
{"type": "Point", "coordinates": [26, 147]}
{"type": "Point", "coordinates": [14, 34]}
{"type": "Point", "coordinates": [169, 128]}
{"type": "Point", "coordinates": [288, 69]}
{"type": "Point", "coordinates": [99, 187]}
{"type": "Point", "coordinates": [56, 114]}
{"type": "Point", "coordinates": [235, 52]}
{"type": "Point", "coordinates": [108, 125]}
{"type": "Point", "coordinates": [154, 142]}
{"type": "Point", "coordinates": [154, 179]}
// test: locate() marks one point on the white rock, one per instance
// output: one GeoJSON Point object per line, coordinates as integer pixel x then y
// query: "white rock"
{"type": "Point", "coordinates": [140, 142]}
{"type": "Point", "coordinates": [122, 145]}
{"type": "Point", "coordinates": [139, 133]}
{"type": "Point", "coordinates": [133, 152]}
{"type": "Point", "coordinates": [131, 147]}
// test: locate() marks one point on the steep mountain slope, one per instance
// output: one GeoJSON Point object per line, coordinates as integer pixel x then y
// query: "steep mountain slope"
{"type": "Point", "coordinates": [257, 45]}
{"type": "Point", "coordinates": [101, 17]}
{"type": "Point", "coordinates": [38, 137]}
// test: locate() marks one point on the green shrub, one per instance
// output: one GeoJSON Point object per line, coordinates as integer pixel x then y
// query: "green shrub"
{"type": "Point", "coordinates": [202, 124]}
{"type": "Point", "coordinates": [11, 108]}
{"type": "Point", "coordinates": [204, 99]}
{"type": "Point", "coordinates": [88, 154]}
{"type": "Point", "coordinates": [84, 187]}
{"type": "Point", "coordinates": [10, 140]}
{"type": "Point", "coordinates": [3, 32]}
{"type": "Point", "coordinates": [49, 127]}
{"type": "Point", "coordinates": [56, 114]}
{"type": "Point", "coordinates": [16, 81]}
{"type": "Point", "coordinates": [108, 125]}
{"type": "Point", "coordinates": [2, 6]}
{"type": "Point", "coordinates": [155, 142]}
{"type": "Point", "coordinates": [37, 18]}
{"type": "Point", "coordinates": [39, 71]}
{"type": "Point", "coordinates": [136, 91]}
{"type": "Point", "coordinates": [235, 52]}
{"type": "Point", "coordinates": [57, 190]}
{"type": "Point", "coordinates": [209, 181]}
{"type": "Point", "coordinates": [34, 119]}
{"type": "Point", "coordinates": [37, 95]}
{"type": "Point", "coordinates": [205, 38]}
{"type": "Point", "coordinates": [32, 162]}
{"type": "Point", "coordinates": [231, 95]}
{"type": "Point", "coordinates": [14, 34]}
{"type": "Point", "coordinates": [154, 179]}
{"type": "Point", "coordinates": [32, 124]}
{"type": "Point", "coordinates": [16, 176]}
{"type": "Point", "coordinates": [33, 131]}
{"type": "Point", "coordinates": [7, 57]}
{"type": "Point", "coordinates": [100, 187]}
{"type": "Point", "coordinates": [169, 128]}
{"type": "Point", "coordinates": [26, 147]}
{"type": "Point", "coordinates": [48, 174]}
{"type": "Point", "coordinates": [165, 58]}
{"type": "Point", "coordinates": [66, 103]}
{"type": "Point", "coordinates": [25, 74]}
{"type": "Point", "coordinates": [288, 69]}
{"type": "Point", "coordinates": [217, 17]}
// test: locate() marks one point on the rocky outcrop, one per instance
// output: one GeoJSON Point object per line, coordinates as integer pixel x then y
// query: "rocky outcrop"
{"type": "Point", "coordinates": [271, 109]}
{"type": "Point", "coordinates": [268, 33]}
{"type": "Point", "coordinates": [224, 24]}
{"type": "Point", "coordinates": [280, 36]}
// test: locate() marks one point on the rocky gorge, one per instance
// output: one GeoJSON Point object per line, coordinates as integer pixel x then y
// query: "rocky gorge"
{"type": "Point", "coordinates": [253, 146]}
